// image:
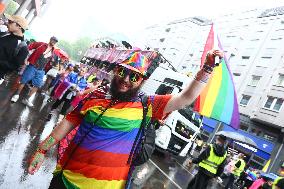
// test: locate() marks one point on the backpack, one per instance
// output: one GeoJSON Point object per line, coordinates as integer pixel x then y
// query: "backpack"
{"type": "Point", "coordinates": [144, 143]}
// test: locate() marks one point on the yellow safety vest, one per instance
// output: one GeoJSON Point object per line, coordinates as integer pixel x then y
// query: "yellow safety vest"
{"type": "Point", "coordinates": [238, 171]}
{"type": "Point", "coordinates": [213, 161]}
{"type": "Point", "coordinates": [276, 181]}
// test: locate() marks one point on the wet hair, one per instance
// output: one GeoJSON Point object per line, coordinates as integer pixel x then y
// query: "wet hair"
{"type": "Point", "coordinates": [221, 138]}
{"type": "Point", "coordinates": [76, 68]}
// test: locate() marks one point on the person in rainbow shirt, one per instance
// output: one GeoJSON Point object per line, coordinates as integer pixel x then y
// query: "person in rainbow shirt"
{"type": "Point", "coordinates": [98, 156]}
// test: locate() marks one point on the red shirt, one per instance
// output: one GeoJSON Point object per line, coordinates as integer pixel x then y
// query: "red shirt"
{"type": "Point", "coordinates": [40, 48]}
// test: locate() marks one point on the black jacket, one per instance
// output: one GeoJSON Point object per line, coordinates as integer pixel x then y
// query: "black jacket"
{"type": "Point", "coordinates": [219, 151]}
{"type": "Point", "coordinates": [9, 59]}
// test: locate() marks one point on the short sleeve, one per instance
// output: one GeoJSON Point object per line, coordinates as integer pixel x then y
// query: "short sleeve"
{"type": "Point", "coordinates": [159, 103]}
{"type": "Point", "coordinates": [75, 117]}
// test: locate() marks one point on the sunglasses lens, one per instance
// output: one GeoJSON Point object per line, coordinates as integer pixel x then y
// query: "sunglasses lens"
{"type": "Point", "coordinates": [121, 72]}
{"type": "Point", "coordinates": [134, 77]}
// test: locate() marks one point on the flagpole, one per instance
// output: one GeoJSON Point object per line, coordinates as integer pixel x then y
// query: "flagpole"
{"type": "Point", "coordinates": [216, 130]}
{"type": "Point", "coordinates": [216, 47]}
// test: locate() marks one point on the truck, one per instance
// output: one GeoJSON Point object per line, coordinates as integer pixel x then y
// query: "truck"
{"type": "Point", "coordinates": [178, 131]}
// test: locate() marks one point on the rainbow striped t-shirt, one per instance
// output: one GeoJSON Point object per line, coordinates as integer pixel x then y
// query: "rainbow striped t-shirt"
{"type": "Point", "coordinates": [100, 161]}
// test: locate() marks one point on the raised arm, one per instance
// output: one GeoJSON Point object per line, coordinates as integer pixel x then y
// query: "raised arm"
{"type": "Point", "coordinates": [193, 90]}
{"type": "Point", "coordinates": [56, 135]}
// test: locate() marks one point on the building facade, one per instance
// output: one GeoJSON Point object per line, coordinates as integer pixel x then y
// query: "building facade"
{"type": "Point", "coordinates": [253, 41]}
{"type": "Point", "coordinates": [29, 9]}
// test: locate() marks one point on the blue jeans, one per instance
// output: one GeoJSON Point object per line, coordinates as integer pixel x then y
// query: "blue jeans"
{"type": "Point", "coordinates": [33, 74]}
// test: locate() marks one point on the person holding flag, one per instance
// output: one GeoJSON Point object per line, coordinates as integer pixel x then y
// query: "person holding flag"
{"type": "Point", "coordinates": [104, 149]}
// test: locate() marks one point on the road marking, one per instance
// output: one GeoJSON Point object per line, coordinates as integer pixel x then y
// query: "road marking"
{"type": "Point", "coordinates": [165, 174]}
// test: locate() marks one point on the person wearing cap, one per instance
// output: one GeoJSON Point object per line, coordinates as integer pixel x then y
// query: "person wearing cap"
{"type": "Point", "coordinates": [211, 163]}
{"type": "Point", "coordinates": [34, 72]}
{"type": "Point", "coordinates": [102, 153]}
{"type": "Point", "coordinates": [12, 54]}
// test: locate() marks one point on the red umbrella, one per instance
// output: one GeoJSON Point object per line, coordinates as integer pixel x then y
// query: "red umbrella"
{"type": "Point", "coordinates": [61, 54]}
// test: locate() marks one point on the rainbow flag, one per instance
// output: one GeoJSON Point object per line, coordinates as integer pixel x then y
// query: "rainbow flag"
{"type": "Point", "coordinates": [219, 100]}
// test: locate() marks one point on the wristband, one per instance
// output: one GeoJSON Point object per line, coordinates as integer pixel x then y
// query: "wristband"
{"type": "Point", "coordinates": [207, 68]}
{"type": "Point", "coordinates": [202, 76]}
{"type": "Point", "coordinates": [48, 143]}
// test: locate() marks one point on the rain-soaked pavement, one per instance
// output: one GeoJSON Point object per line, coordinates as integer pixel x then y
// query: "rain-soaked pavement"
{"type": "Point", "coordinates": [22, 128]}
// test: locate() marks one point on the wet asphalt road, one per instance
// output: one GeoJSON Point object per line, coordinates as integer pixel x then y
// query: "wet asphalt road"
{"type": "Point", "coordinates": [22, 128]}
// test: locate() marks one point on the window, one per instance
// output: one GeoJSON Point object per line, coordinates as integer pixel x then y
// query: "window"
{"type": "Point", "coordinates": [258, 159]}
{"type": "Point", "coordinates": [273, 103]}
{"type": "Point", "coordinates": [184, 130]}
{"type": "Point", "coordinates": [162, 40]}
{"type": "Point", "coordinates": [269, 137]}
{"type": "Point", "coordinates": [245, 100]}
{"type": "Point", "coordinates": [269, 102]}
{"type": "Point", "coordinates": [269, 52]}
{"type": "Point", "coordinates": [278, 104]}
{"type": "Point", "coordinates": [275, 39]}
{"type": "Point", "coordinates": [245, 59]}
{"type": "Point", "coordinates": [168, 29]}
{"type": "Point", "coordinates": [236, 74]}
{"type": "Point", "coordinates": [244, 127]}
{"type": "Point", "coordinates": [265, 61]}
{"type": "Point", "coordinates": [254, 81]}
{"type": "Point", "coordinates": [164, 89]}
{"type": "Point", "coordinates": [280, 81]}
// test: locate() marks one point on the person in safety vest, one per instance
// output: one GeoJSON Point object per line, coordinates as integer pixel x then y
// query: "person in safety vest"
{"type": "Point", "coordinates": [278, 183]}
{"type": "Point", "coordinates": [211, 163]}
{"type": "Point", "coordinates": [236, 173]}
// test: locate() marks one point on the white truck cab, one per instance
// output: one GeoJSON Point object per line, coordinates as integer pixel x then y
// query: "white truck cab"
{"type": "Point", "coordinates": [176, 135]}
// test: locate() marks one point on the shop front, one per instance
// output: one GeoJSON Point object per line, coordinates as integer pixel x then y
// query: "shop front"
{"type": "Point", "coordinates": [258, 156]}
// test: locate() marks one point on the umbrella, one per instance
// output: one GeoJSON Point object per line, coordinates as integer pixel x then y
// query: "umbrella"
{"type": "Point", "coordinates": [61, 54]}
{"type": "Point", "coordinates": [237, 137]}
{"type": "Point", "coordinates": [269, 176]}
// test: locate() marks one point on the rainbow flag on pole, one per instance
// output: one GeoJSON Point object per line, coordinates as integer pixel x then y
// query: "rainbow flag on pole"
{"type": "Point", "coordinates": [219, 100]}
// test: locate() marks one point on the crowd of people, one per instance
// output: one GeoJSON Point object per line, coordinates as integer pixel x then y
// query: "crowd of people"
{"type": "Point", "coordinates": [103, 118]}
{"type": "Point", "coordinates": [230, 171]}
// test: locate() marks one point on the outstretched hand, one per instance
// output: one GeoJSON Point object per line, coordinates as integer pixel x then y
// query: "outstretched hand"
{"type": "Point", "coordinates": [35, 163]}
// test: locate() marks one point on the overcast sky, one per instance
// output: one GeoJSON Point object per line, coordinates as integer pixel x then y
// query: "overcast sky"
{"type": "Point", "coordinates": [66, 18]}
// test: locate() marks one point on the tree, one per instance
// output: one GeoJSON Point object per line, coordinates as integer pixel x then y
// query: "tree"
{"type": "Point", "coordinates": [76, 49]}
{"type": "Point", "coordinates": [11, 7]}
